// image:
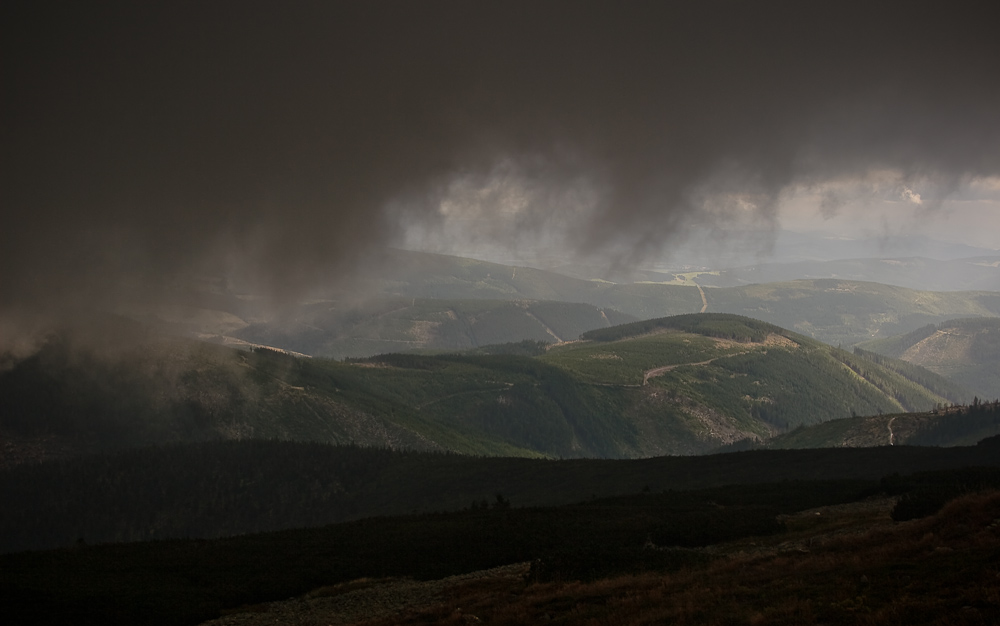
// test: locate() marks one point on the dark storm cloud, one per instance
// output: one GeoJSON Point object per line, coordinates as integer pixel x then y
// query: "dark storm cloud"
{"type": "Point", "coordinates": [264, 140]}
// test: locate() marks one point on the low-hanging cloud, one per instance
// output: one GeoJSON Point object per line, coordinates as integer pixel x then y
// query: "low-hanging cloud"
{"type": "Point", "coordinates": [274, 143]}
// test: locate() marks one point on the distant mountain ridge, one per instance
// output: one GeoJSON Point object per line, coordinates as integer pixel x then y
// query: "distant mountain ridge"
{"type": "Point", "coordinates": [793, 247]}
{"type": "Point", "coordinates": [720, 249]}
{"type": "Point", "coordinates": [980, 273]}
{"type": "Point", "coordinates": [843, 312]}
{"type": "Point", "coordinates": [414, 301]}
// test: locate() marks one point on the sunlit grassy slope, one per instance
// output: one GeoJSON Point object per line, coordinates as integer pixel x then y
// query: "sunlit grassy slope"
{"type": "Point", "coordinates": [626, 362]}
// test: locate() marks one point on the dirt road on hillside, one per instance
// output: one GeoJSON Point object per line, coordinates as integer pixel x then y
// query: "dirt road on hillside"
{"type": "Point", "coordinates": [545, 326]}
{"type": "Point", "coordinates": [666, 368]}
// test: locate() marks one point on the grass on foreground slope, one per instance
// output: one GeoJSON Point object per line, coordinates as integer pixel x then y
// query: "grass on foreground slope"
{"type": "Point", "coordinates": [841, 565]}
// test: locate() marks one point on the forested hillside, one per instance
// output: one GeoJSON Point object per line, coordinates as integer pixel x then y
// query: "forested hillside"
{"type": "Point", "coordinates": [230, 488]}
{"type": "Point", "coordinates": [683, 385]}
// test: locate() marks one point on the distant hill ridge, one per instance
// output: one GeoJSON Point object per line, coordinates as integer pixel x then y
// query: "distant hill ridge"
{"type": "Point", "coordinates": [946, 426]}
{"type": "Point", "coordinates": [966, 351]}
{"type": "Point", "coordinates": [979, 273]}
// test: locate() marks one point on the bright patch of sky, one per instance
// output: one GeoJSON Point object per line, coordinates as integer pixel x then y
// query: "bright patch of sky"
{"type": "Point", "coordinates": [968, 214]}
{"type": "Point", "coordinates": [508, 217]}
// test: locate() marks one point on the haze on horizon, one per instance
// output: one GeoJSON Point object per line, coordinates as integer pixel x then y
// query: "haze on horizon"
{"type": "Point", "coordinates": [275, 145]}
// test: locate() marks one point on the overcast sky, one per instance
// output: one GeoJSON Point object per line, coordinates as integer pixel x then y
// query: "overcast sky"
{"type": "Point", "coordinates": [144, 142]}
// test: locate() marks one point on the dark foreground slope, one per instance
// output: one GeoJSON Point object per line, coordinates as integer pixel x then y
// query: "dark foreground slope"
{"type": "Point", "coordinates": [840, 565]}
{"type": "Point", "coordinates": [666, 532]}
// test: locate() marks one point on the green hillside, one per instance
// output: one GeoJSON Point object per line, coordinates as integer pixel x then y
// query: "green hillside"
{"type": "Point", "coordinates": [719, 375]}
{"type": "Point", "coordinates": [966, 351]}
{"type": "Point", "coordinates": [681, 385]}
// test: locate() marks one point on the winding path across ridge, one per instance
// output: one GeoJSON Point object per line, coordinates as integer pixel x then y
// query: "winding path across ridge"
{"type": "Point", "coordinates": [656, 371]}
